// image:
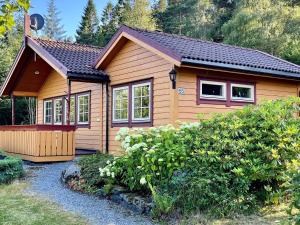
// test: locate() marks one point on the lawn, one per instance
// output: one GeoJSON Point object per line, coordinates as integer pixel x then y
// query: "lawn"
{"type": "Point", "coordinates": [17, 208]}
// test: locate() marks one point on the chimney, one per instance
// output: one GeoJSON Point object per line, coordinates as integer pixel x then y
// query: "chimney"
{"type": "Point", "coordinates": [26, 25]}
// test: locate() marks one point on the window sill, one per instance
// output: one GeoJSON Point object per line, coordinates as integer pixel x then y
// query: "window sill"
{"type": "Point", "coordinates": [224, 102]}
{"type": "Point", "coordinates": [132, 124]}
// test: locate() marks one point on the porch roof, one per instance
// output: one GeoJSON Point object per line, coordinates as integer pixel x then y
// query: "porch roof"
{"type": "Point", "coordinates": [70, 60]}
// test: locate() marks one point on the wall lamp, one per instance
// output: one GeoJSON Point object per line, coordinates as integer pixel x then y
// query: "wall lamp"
{"type": "Point", "coordinates": [172, 75]}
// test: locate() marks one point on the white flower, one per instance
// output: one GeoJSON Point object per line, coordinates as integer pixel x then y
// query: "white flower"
{"type": "Point", "coordinates": [101, 174]}
{"type": "Point", "coordinates": [160, 160]}
{"type": "Point", "coordinates": [108, 173]}
{"type": "Point", "coordinates": [143, 181]}
{"type": "Point", "coordinates": [108, 162]}
{"type": "Point", "coordinates": [157, 174]}
{"type": "Point", "coordinates": [139, 167]}
{"type": "Point", "coordinates": [112, 174]}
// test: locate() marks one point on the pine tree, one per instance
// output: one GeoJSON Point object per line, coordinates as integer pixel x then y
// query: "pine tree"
{"type": "Point", "coordinates": [140, 15]}
{"type": "Point", "coordinates": [89, 26]}
{"type": "Point", "coordinates": [53, 29]}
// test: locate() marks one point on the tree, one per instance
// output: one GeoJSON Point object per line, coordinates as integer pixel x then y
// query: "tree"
{"type": "Point", "coordinates": [89, 26]}
{"type": "Point", "coordinates": [194, 18]}
{"type": "Point", "coordinates": [140, 15]}
{"type": "Point", "coordinates": [267, 26]}
{"type": "Point", "coordinates": [107, 27]}
{"type": "Point", "coordinates": [7, 12]}
{"type": "Point", "coordinates": [53, 29]}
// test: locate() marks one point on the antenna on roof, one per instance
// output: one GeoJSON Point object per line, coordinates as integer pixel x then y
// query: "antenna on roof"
{"type": "Point", "coordinates": [34, 22]}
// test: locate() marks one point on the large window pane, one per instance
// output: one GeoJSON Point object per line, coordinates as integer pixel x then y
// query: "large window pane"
{"type": "Point", "coordinates": [48, 112]}
{"type": "Point", "coordinates": [242, 92]}
{"type": "Point", "coordinates": [215, 90]}
{"type": "Point", "coordinates": [58, 109]}
{"type": "Point", "coordinates": [83, 109]}
{"type": "Point", "coordinates": [120, 104]}
{"type": "Point", "coordinates": [141, 102]}
{"type": "Point", "coordinates": [72, 110]}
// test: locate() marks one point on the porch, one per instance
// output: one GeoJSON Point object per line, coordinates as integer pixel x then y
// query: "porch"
{"type": "Point", "coordinates": [39, 143]}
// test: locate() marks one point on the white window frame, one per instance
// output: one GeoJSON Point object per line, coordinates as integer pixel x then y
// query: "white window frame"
{"type": "Point", "coordinates": [148, 119]}
{"type": "Point", "coordinates": [78, 105]}
{"type": "Point", "coordinates": [114, 104]}
{"type": "Point", "coordinates": [66, 110]}
{"type": "Point", "coordinates": [241, 98]}
{"type": "Point", "coordinates": [54, 109]}
{"type": "Point", "coordinates": [45, 116]}
{"type": "Point", "coordinates": [224, 86]}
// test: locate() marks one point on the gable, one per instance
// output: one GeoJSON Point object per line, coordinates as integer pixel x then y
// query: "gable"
{"type": "Point", "coordinates": [134, 62]}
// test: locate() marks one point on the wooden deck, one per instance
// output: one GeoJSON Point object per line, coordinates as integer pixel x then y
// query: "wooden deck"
{"type": "Point", "coordinates": [39, 143]}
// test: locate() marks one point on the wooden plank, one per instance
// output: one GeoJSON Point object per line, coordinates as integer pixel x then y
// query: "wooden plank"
{"type": "Point", "coordinates": [65, 143]}
{"type": "Point", "coordinates": [48, 143]}
{"type": "Point", "coordinates": [43, 143]}
{"type": "Point", "coordinates": [58, 142]}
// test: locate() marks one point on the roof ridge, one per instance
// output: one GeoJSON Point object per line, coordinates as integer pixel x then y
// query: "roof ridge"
{"type": "Point", "coordinates": [68, 42]}
{"type": "Point", "coordinates": [190, 38]}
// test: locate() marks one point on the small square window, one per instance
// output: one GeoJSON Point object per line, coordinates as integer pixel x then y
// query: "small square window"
{"type": "Point", "coordinates": [242, 92]}
{"type": "Point", "coordinates": [212, 90]}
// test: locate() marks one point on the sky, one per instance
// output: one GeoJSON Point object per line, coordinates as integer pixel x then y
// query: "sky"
{"type": "Point", "coordinates": [70, 11]}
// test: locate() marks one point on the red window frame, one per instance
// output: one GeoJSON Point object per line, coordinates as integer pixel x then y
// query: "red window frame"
{"type": "Point", "coordinates": [228, 102]}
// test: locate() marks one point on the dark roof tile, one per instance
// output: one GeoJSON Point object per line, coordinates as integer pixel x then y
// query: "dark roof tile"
{"type": "Point", "coordinates": [206, 51]}
{"type": "Point", "coordinates": [77, 58]}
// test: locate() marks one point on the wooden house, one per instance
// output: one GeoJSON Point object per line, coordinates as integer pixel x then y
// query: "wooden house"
{"type": "Point", "coordinates": [140, 79]}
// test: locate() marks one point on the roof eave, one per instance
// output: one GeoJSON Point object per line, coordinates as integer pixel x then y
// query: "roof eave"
{"type": "Point", "coordinates": [251, 70]}
{"type": "Point", "coordinates": [89, 78]}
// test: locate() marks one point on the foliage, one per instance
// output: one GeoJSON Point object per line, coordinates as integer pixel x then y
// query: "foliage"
{"type": "Point", "coordinates": [294, 191]}
{"type": "Point", "coordinates": [89, 168]}
{"type": "Point", "coordinates": [232, 163]}
{"type": "Point", "coordinates": [266, 26]}
{"type": "Point", "coordinates": [53, 29]}
{"type": "Point", "coordinates": [153, 155]}
{"type": "Point", "coordinates": [140, 15]}
{"type": "Point", "coordinates": [88, 30]}
{"type": "Point", "coordinates": [10, 168]}
{"type": "Point", "coordinates": [7, 12]}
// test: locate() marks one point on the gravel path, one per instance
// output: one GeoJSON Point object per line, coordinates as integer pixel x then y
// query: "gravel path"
{"type": "Point", "coordinates": [45, 182]}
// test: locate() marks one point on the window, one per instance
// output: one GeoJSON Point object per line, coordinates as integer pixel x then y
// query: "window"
{"type": "Point", "coordinates": [132, 104]}
{"type": "Point", "coordinates": [120, 104]}
{"type": "Point", "coordinates": [55, 110]}
{"type": "Point", "coordinates": [141, 102]}
{"type": "Point", "coordinates": [212, 90]}
{"type": "Point", "coordinates": [83, 108]}
{"type": "Point", "coordinates": [48, 112]}
{"type": "Point", "coordinates": [72, 110]}
{"type": "Point", "coordinates": [242, 92]}
{"type": "Point", "coordinates": [58, 111]}
{"type": "Point", "coordinates": [225, 92]}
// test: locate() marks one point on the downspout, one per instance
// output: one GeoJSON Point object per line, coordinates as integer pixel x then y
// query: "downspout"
{"type": "Point", "coordinates": [107, 118]}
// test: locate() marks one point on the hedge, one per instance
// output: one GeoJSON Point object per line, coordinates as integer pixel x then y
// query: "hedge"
{"type": "Point", "coordinates": [11, 168]}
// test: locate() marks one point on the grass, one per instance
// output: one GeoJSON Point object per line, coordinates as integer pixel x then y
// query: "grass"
{"type": "Point", "coordinates": [17, 208]}
{"type": "Point", "coordinates": [267, 216]}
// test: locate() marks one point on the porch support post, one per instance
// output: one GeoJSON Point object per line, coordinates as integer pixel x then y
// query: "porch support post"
{"type": "Point", "coordinates": [12, 98]}
{"type": "Point", "coordinates": [69, 102]}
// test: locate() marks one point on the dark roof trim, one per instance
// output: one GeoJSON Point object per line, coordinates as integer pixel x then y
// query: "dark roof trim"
{"type": "Point", "coordinates": [140, 37]}
{"type": "Point", "coordinates": [231, 67]}
{"type": "Point", "coordinates": [88, 78]}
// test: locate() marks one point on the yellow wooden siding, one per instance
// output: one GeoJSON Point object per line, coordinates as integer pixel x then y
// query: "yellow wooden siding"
{"type": "Point", "coordinates": [56, 85]}
{"type": "Point", "coordinates": [266, 89]}
{"type": "Point", "coordinates": [39, 146]}
{"type": "Point", "coordinates": [134, 63]}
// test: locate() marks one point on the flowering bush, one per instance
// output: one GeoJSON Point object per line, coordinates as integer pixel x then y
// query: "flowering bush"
{"type": "Point", "coordinates": [231, 162]}
{"type": "Point", "coordinates": [151, 155]}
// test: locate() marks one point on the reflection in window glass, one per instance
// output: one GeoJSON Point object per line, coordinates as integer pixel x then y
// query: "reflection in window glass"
{"type": "Point", "coordinates": [120, 104]}
{"type": "Point", "coordinates": [141, 102]}
{"type": "Point", "coordinates": [83, 109]}
{"type": "Point", "coordinates": [48, 112]}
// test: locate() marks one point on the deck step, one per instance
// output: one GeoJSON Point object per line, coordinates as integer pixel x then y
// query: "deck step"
{"type": "Point", "coordinates": [79, 152]}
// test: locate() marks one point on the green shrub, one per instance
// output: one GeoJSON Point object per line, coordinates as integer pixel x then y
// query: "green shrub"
{"type": "Point", "coordinates": [11, 168]}
{"type": "Point", "coordinates": [227, 164]}
{"type": "Point", "coordinates": [89, 170]}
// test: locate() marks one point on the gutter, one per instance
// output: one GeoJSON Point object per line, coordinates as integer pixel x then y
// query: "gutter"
{"type": "Point", "coordinates": [107, 119]}
{"type": "Point", "coordinates": [238, 68]}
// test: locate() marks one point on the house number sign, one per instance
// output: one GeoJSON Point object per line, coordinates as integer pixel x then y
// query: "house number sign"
{"type": "Point", "coordinates": [181, 91]}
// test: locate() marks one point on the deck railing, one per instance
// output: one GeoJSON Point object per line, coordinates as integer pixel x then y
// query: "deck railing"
{"type": "Point", "coordinates": [39, 143]}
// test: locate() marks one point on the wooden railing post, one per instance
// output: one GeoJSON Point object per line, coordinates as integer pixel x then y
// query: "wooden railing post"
{"type": "Point", "coordinates": [12, 98]}
{"type": "Point", "coordinates": [69, 103]}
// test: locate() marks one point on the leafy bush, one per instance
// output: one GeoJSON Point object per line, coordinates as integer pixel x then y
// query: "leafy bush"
{"type": "Point", "coordinates": [154, 155]}
{"type": "Point", "coordinates": [229, 163]}
{"type": "Point", "coordinates": [89, 170]}
{"type": "Point", "coordinates": [11, 168]}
